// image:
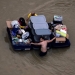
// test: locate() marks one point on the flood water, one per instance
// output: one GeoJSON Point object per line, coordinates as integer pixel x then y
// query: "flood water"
{"type": "Point", "coordinates": [57, 61]}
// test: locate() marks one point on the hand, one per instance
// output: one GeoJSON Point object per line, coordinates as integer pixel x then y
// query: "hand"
{"type": "Point", "coordinates": [31, 42]}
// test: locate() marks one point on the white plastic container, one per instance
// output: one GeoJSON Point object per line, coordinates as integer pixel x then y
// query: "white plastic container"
{"type": "Point", "coordinates": [20, 40]}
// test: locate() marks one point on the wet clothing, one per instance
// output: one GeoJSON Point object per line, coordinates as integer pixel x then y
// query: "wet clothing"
{"type": "Point", "coordinates": [42, 53]}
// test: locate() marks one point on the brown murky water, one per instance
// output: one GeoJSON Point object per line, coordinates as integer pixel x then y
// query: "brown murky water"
{"type": "Point", "coordinates": [57, 61]}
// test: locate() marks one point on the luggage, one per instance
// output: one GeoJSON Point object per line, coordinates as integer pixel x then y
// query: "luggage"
{"type": "Point", "coordinates": [39, 27]}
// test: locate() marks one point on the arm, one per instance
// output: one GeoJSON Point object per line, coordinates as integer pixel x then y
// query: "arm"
{"type": "Point", "coordinates": [51, 40]}
{"type": "Point", "coordinates": [36, 43]}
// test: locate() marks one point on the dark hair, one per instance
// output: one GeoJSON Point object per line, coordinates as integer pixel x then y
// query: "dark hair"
{"type": "Point", "coordinates": [22, 21]}
{"type": "Point", "coordinates": [42, 37]}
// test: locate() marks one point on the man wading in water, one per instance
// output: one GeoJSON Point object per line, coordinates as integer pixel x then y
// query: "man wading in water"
{"type": "Point", "coordinates": [43, 43]}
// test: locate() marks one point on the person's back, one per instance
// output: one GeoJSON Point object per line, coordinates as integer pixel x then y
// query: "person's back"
{"type": "Point", "coordinates": [44, 46]}
{"type": "Point", "coordinates": [43, 43]}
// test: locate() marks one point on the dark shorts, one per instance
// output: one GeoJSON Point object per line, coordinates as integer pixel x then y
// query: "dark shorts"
{"type": "Point", "coordinates": [43, 53]}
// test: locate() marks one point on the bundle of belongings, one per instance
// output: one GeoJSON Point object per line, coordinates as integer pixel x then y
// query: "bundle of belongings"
{"type": "Point", "coordinates": [61, 32]}
{"type": "Point", "coordinates": [18, 33]}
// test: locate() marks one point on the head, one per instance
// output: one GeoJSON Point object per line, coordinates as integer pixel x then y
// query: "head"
{"type": "Point", "coordinates": [33, 13]}
{"type": "Point", "coordinates": [42, 39]}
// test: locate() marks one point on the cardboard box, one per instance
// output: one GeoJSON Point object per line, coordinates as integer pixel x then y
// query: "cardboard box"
{"type": "Point", "coordinates": [8, 24]}
{"type": "Point", "coordinates": [60, 39]}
